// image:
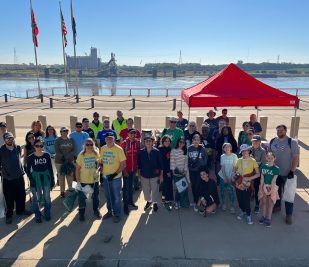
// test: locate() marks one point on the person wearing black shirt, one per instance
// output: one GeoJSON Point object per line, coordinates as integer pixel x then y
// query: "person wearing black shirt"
{"type": "Point", "coordinates": [41, 176]}
{"type": "Point", "coordinates": [13, 181]}
{"type": "Point", "coordinates": [150, 170]}
{"type": "Point", "coordinates": [208, 194]}
{"type": "Point", "coordinates": [87, 129]}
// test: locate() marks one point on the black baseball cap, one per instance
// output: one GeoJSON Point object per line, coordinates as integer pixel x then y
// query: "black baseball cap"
{"type": "Point", "coordinates": [3, 124]}
{"type": "Point", "coordinates": [109, 134]}
{"type": "Point", "coordinates": [8, 135]}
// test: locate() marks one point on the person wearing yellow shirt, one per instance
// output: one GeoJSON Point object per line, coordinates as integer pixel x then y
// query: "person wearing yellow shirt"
{"type": "Point", "coordinates": [247, 168]}
{"type": "Point", "coordinates": [114, 162]}
{"type": "Point", "coordinates": [87, 173]}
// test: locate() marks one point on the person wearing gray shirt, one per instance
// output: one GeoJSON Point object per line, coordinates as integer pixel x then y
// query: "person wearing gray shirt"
{"type": "Point", "coordinates": [286, 151]}
{"type": "Point", "coordinates": [197, 159]}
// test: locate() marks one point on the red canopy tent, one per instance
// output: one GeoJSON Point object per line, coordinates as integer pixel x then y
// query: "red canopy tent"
{"type": "Point", "coordinates": [234, 87]}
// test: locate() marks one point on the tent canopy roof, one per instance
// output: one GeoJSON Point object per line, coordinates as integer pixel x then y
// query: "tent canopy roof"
{"type": "Point", "coordinates": [234, 87]}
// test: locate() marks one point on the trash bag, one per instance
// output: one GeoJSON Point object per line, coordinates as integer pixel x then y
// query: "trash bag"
{"type": "Point", "coordinates": [290, 190]}
{"type": "Point", "coordinates": [69, 200]}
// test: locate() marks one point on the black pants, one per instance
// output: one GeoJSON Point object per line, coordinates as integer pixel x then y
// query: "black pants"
{"type": "Point", "coordinates": [288, 205]}
{"type": "Point", "coordinates": [243, 197]}
{"type": "Point", "coordinates": [167, 189]}
{"type": "Point", "coordinates": [127, 189]}
{"type": "Point", "coordinates": [195, 181]}
{"type": "Point", "coordinates": [14, 192]}
{"type": "Point", "coordinates": [257, 182]}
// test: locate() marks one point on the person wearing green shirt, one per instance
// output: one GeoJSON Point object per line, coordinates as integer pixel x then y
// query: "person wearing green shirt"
{"type": "Point", "coordinates": [174, 132]}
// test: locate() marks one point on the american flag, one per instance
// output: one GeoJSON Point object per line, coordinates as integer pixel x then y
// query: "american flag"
{"type": "Point", "coordinates": [64, 30]}
{"type": "Point", "coordinates": [35, 29]}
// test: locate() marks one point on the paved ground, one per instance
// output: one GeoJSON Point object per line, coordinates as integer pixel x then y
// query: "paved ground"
{"type": "Point", "coordinates": [177, 238]}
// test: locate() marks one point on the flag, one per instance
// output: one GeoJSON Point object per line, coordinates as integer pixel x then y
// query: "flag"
{"type": "Point", "coordinates": [35, 29]}
{"type": "Point", "coordinates": [64, 30]}
{"type": "Point", "coordinates": [73, 25]}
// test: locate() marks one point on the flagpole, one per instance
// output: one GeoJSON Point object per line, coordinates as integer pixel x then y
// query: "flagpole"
{"type": "Point", "coordinates": [35, 54]}
{"type": "Point", "coordinates": [63, 51]}
{"type": "Point", "coordinates": [74, 44]}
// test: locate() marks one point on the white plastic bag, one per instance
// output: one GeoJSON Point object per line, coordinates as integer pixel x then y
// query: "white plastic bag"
{"type": "Point", "coordinates": [2, 200]}
{"type": "Point", "coordinates": [290, 190]}
{"type": "Point", "coordinates": [181, 185]}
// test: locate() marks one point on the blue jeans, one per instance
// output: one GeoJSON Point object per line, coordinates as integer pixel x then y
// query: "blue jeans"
{"type": "Point", "coordinates": [112, 192]}
{"type": "Point", "coordinates": [128, 188]}
{"type": "Point", "coordinates": [40, 195]}
{"type": "Point", "coordinates": [95, 199]}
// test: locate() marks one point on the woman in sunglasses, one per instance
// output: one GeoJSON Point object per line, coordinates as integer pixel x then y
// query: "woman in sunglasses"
{"type": "Point", "coordinates": [87, 173]}
{"type": "Point", "coordinates": [41, 176]}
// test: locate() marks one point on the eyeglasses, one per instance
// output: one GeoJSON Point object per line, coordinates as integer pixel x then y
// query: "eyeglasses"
{"type": "Point", "coordinates": [90, 144]}
{"type": "Point", "coordinates": [79, 126]}
{"type": "Point", "coordinates": [39, 146]}
{"type": "Point", "coordinates": [9, 139]}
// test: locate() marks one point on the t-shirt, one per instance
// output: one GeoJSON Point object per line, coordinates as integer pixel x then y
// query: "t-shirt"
{"type": "Point", "coordinates": [269, 172]}
{"type": "Point", "coordinates": [284, 154]}
{"type": "Point", "coordinates": [111, 157]}
{"type": "Point", "coordinates": [174, 134]}
{"type": "Point", "coordinates": [228, 162]}
{"type": "Point", "coordinates": [256, 127]}
{"type": "Point", "coordinates": [246, 166]}
{"type": "Point", "coordinates": [182, 124]}
{"type": "Point", "coordinates": [49, 145]}
{"type": "Point", "coordinates": [90, 132]}
{"type": "Point", "coordinates": [124, 134]}
{"type": "Point", "coordinates": [101, 136]}
{"type": "Point", "coordinates": [88, 164]}
{"type": "Point", "coordinates": [79, 139]}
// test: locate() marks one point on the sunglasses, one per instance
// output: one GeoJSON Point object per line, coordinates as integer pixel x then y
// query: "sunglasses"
{"type": "Point", "coordinates": [79, 126]}
{"type": "Point", "coordinates": [39, 146]}
{"type": "Point", "coordinates": [89, 144]}
{"type": "Point", "coordinates": [64, 131]}
{"type": "Point", "coordinates": [9, 139]}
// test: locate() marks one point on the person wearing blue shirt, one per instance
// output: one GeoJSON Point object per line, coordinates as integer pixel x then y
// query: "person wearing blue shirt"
{"type": "Point", "coordinates": [79, 137]}
{"type": "Point", "coordinates": [49, 140]}
{"type": "Point", "coordinates": [255, 125]}
{"type": "Point", "coordinates": [101, 134]}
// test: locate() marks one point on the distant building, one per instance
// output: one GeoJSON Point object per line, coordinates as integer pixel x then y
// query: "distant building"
{"type": "Point", "coordinates": [85, 62]}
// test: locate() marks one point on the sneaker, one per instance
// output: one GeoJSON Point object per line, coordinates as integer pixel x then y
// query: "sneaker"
{"type": "Point", "coordinates": [62, 194]}
{"type": "Point", "coordinates": [8, 220]}
{"type": "Point", "coordinates": [98, 215]}
{"type": "Point", "coordinates": [168, 206]}
{"type": "Point", "coordinates": [177, 206]}
{"type": "Point", "coordinates": [133, 206]}
{"type": "Point", "coordinates": [267, 223]}
{"type": "Point", "coordinates": [107, 215]}
{"type": "Point", "coordinates": [116, 219]}
{"type": "Point", "coordinates": [155, 207]}
{"type": "Point", "coordinates": [81, 217]}
{"type": "Point", "coordinates": [195, 208]}
{"type": "Point", "coordinates": [249, 220]}
{"type": "Point", "coordinates": [232, 210]}
{"type": "Point", "coordinates": [38, 220]}
{"type": "Point", "coordinates": [288, 219]}
{"type": "Point", "coordinates": [147, 206]}
{"type": "Point", "coordinates": [240, 216]}
{"type": "Point", "coordinates": [262, 220]}
{"type": "Point", "coordinates": [256, 209]}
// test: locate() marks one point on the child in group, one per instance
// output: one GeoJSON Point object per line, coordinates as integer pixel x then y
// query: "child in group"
{"type": "Point", "coordinates": [227, 161]}
{"type": "Point", "coordinates": [268, 193]}
{"type": "Point", "coordinates": [208, 194]}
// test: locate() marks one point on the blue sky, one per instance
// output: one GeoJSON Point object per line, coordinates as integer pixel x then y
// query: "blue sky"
{"type": "Point", "coordinates": [141, 31]}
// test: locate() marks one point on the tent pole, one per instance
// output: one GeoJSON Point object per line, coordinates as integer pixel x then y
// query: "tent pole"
{"type": "Point", "coordinates": [295, 114]}
{"type": "Point", "coordinates": [181, 104]}
{"type": "Point", "coordinates": [189, 115]}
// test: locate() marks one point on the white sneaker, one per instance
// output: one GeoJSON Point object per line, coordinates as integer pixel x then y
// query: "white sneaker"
{"type": "Point", "coordinates": [240, 216]}
{"type": "Point", "coordinates": [223, 207]}
{"type": "Point", "coordinates": [195, 208]}
{"type": "Point", "coordinates": [232, 210]}
{"type": "Point", "coordinates": [249, 220]}
{"type": "Point", "coordinates": [177, 206]}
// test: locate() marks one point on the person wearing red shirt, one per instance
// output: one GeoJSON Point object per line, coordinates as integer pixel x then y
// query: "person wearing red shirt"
{"type": "Point", "coordinates": [124, 133]}
{"type": "Point", "coordinates": [131, 146]}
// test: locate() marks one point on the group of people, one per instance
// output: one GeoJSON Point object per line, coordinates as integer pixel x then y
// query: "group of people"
{"type": "Point", "coordinates": [188, 167]}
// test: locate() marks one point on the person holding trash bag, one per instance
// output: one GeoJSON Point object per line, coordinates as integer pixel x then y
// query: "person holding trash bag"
{"type": "Point", "coordinates": [114, 162]}
{"type": "Point", "coordinates": [41, 176]}
{"type": "Point", "coordinates": [87, 173]}
{"type": "Point", "coordinates": [179, 168]}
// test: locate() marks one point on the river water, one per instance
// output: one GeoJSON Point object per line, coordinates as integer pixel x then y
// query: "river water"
{"type": "Point", "coordinates": [138, 86]}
